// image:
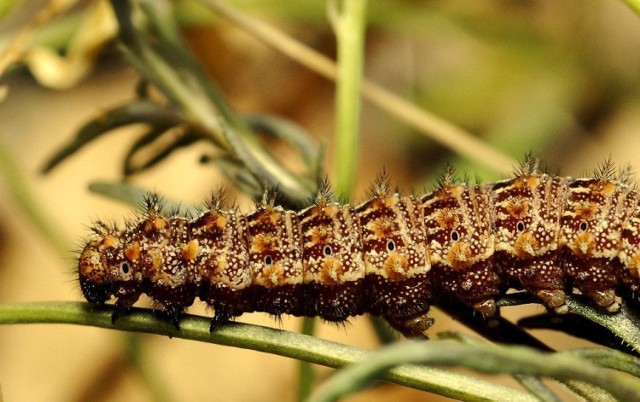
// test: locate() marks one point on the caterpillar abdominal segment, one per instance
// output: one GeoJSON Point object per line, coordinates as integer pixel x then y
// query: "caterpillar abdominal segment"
{"type": "Point", "coordinates": [392, 256]}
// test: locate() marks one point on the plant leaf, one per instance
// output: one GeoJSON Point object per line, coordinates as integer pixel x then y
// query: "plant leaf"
{"type": "Point", "coordinates": [152, 143]}
{"type": "Point", "coordinates": [131, 113]}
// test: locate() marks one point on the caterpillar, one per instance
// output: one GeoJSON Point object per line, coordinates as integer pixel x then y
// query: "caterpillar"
{"type": "Point", "coordinates": [391, 256]}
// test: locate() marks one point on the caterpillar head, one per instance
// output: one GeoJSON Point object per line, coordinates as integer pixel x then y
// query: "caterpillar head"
{"type": "Point", "coordinates": [106, 268]}
{"type": "Point", "coordinates": [93, 273]}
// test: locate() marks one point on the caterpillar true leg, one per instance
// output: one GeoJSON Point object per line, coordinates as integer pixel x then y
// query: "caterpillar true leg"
{"type": "Point", "coordinates": [412, 327]}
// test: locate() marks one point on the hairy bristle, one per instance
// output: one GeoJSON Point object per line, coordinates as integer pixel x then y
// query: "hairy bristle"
{"type": "Point", "coordinates": [324, 195]}
{"type": "Point", "coordinates": [447, 176]}
{"type": "Point", "coordinates": [528, 166]}
{"type": "Point", "coordinates": [606, 170]}
{"type": "Point", "coordinates": [382, 185]}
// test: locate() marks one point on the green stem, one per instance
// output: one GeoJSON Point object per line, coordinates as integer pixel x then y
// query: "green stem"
{"type": "Point", "coordinates": [609, 358]}
{"type": "Point", "coordinates": [307, 376]}
{"type": "Point", "coordinates": [262, 339]}
{"type": "Point", "coordinates": [537, 387]}
{"type": "Point", "coordinates": [383, 330]}
{"type": "Point", "coordinates": [534, 383]}
{"type": "Point", "coordinates": [485, 358]}
{"type": "Point", "coordinates": [634, 5]}
{"type": "Point", "coordinates": [624, 324]}
{"type": "Point", "coordinates": [349, 26]}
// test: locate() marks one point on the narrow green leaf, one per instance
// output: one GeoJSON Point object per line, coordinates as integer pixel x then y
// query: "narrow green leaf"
{"type": "Point", "coordinates": [238, 174]}
{"type": "Point", "coordinates": [290, 133]}
{"type": "Point", "coordinates": [612, 359]}
{"type": "Point", "coordinates": [128, 165]}
{"type": "Point", "coordinates": [538, 388]}
{"type": "Point", "coordinates": [156, 147]}
{"type": "Point", "coordinates": [625, 324]}
{"type": "Point", "coordinates": [492, 359]}
{"type": "Point", "coordinates": [133, 195]}
{"type": "Point", "coordinates": [383, 330]}
{"type": "Point", "coordinates": [497, 329]}
{"type": "Point", "coordinates": [131, 113]}
{"type": "Point", "coordinates": [262, 166]}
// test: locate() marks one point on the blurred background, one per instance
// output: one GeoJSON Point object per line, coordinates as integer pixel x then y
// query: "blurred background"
{"type": "Point", "coordinates": [559, 79]}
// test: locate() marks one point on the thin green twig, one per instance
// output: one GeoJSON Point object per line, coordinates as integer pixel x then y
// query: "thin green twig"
{"type": "Point", "coordinates": [306, 377]}
{"type": "Point", "coordinates": [532, 383]}
{"type": "Point", "coordinates": [624, 324]}
{"type": "Point", "coordinates": [609, 358]}
{"type": "Point", "coordinates": [484, 358]}
{"type": "Point", "coordinates": [537, 387]}
{"type": "Point", "coordinates": [349, 25]}
{"type": "Point", "coordinates": [262, 339]}
{"type": "Point", "coordinates": [602, 357]}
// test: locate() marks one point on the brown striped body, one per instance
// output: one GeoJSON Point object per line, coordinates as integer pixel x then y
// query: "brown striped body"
{"type": "Point", "coordinates": [392, 256]}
